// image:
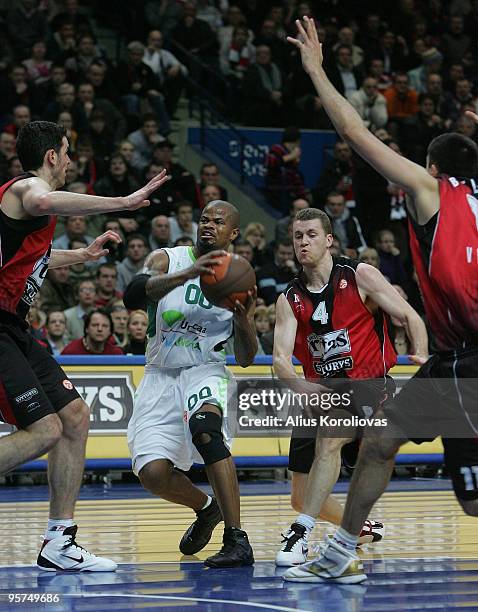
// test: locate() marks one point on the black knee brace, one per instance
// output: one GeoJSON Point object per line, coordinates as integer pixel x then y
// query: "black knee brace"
{"type": "Point", "coordinates": [205, 428]}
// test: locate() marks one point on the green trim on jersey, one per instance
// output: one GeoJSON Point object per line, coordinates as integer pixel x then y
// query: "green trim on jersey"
{"type": "Point", "coordinates": [191, 254]}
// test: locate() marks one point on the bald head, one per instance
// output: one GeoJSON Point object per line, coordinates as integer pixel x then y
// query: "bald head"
{"type": "Point", "coordinates": [230, 211]}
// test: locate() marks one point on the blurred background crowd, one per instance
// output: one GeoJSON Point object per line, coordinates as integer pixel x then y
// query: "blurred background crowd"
{"type": "Point", "coordinates": [410, 73]}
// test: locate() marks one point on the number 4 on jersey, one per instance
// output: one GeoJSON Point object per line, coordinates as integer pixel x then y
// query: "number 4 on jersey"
{"type": "Point", "coordinates": [320, 313]}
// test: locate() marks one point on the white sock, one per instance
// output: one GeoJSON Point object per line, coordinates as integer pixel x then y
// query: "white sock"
{"type": "Point", "coordinates": [346, 539]}
{"type": "Point", "coordinates": [208, 502]}
{"type": "Point", "coordinates": [306, 521]}
{"type": "Point", "coordinates": [56, 527]}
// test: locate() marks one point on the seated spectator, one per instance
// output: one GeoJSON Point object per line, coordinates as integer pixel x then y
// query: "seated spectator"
{"type": "Point", "coordinates": [455, 72]}
{"type": "Point", "coordinates": [119, 316]}
{"type": "Point", "coordinates": [75, 316]}
{"type": "Point", "coordinates": [136, 251]}
{"type": "Point", "coordinates": [244, 249]}
{"type": "Point", "coordinates": [455, 43]}
{"type": "Point", "coordinates": [164, 15]}
{"type": "Point", "coordinates": [183, 224]}
{"type": "Point", "coordinates": [7, 152]}
{"type": "Point", "coordinates": [443, 100]}
{"type": "Point", "coordinates": [261, 320]}
{"type": "Point", "coordinates": [21, 116]}
{"type": "Point", "coordinates": [432, 61]}
{"type": "Point", "coordinates": [57, 292]}
{"type": "Point", "coordinates": [263, 90]}
{"type": "Point", "coordinates": [160, 236]}
{"type": "Point", "coordinates": [393, 50]}
{"type": "Point", "coordinates": [118, 181]}
{"type": "Point", "coordinates": [336, 175]}
{"type": "Point", "coordinates": [376, 71]}
{"type": "Point", "coordinates": [462, 97]}
{"type": "Point", "coordinates": [65, 118]}
{"type": "Point", "coordinates": [466, 126]}
{"type": "Point", "coordinates": [402, 102]}
{"type": "Point", "coordinates": [55, 331]}
{"type": "Point", "coordinates": [370, 256]}
{"type": "Point", "coordinates": [209, 193]}
{"type": "Point", "coordinates": [390, 262]}
{"type": "Point", "coordinates": [102, 139]}
{"type": "Point", "coordinates": [336, 249]}
{"type": "Point", "coordinates": [342, 73]}
{"type": "Point", "coordinates": [235, 59]}
{"type": "Point", "coordinates": [62, 42]}
{"type": "Point", "coordinates": [423, 128]}
{"type": "Point", "coordinates": [234, 17]}
{"type": "Point", "coordinates": [103, 82]}
{"type": "Point", "coordinates": [370, 104]}
{"type": "Point", "coordinates": [17, 90]}
{"type": "Point", "coordinates": [106, 280]}
{"type": "Point", "coordinates": [283, 225]}
{"type": "Point", "coordinates": [269, 36]}
{"type": "Point", "coordinates": [14, 168]}
{"type": "Point", "coordinates": [137, 85]}
{"type": "Point", "coordinates": [144, 139]}
{"type": "Point", "coordinates": [400, 340]}
{"type": "Point", "coordinates": [137, 327]}
{"type": "Point", "coordinates": [284, 181]}
{"type": "Point", "coordinates": [346, 36]}
{"type": "Point", "coordinates": [209, 175]}
{"type": "Point", "coordinates": [37, 67]}
{"type": "Point", "coordinates": [255, 234]}
{"type": "Point", "coordinates": [167, 68]}
{"type": "Point", "coordinates": [66, 101]}
{"type": "Point", "coordinates": [25, 24]}
{"type": "Point", "coordinates": [89, 168]}
{"type": "Point", "coordinates": [97, 337]}
{"type": "Point", "coordinates": [70, 11]}
{"type": "Point", "coordinates": [75, 229]}
{"type": "Point", "coordinates": [87, 52]}
{"type": "Point", "coordinates": [115, 121]}
{"type": "Point", "coordinates": [273, 278]}
{"type": "Point", "coordinates": [344, 225]}
{"type": "Point", "coordinates": [182, 182]}
{"type": "Point", "coordinates": [197, 37]}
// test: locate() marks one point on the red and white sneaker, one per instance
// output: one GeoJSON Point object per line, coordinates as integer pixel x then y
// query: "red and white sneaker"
{"type": "Point", "coordinates": [372, 531]}
{"type": "Point", "coordinates": [64, 554]}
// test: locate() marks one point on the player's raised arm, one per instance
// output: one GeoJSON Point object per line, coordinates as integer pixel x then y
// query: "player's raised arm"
{"type": "Point", "coordinates": [374, 285]}
{"type": "Point", "coordinates": [38, 198]}
{"type": "Point", "coordinates": [414, 179]}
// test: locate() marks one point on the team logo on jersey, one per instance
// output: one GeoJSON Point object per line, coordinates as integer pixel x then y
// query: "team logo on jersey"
{"type": "Point", "coordinates": [36, 278]}
{"type": "Point", "coordinates": [325, 346]}
{"type": "Point", "coordinates": [333, 366]}
{"type": "Point", "coordinates": [170, 317]}
{"type": "Point", "coordinates": [343, 284]}
{"type": "Point", "coordinates": [67, 384]}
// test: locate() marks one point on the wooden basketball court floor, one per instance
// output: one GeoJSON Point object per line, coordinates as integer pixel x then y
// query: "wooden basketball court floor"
{"type": "Point", "coordinates": [428, 559]}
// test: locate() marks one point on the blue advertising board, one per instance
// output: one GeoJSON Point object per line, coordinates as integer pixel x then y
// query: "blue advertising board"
{"type": "Point", "coordinates": [316, 148]}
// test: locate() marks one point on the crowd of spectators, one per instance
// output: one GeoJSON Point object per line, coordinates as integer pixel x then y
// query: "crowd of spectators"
{"type": "Point", "coordinates": [410, 73]}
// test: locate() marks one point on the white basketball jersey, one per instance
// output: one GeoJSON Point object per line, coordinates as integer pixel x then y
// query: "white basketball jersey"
{"type": "Point", "coordinates": [184, 329]}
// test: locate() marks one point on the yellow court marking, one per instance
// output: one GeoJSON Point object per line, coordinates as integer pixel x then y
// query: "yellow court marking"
{"type": "Point", "coordinates": [418, 524]}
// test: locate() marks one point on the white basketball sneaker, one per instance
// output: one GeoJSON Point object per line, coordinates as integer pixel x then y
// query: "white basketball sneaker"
{"type": "Point", "coordinates": [294, 547]}
{"type": "Point", "coordinates": [64, 554]}
{"type": "Point", "coordinates": [334, 564]}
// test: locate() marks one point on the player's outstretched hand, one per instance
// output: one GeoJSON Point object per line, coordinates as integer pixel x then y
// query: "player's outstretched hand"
{"type": "Point", "coordinates": [308, 44]}
{"type": "Point", "coordinates": [96, 250]}
{"type": "Point", "coordinates": [205, 264]}
{"type": "Point", "coordinates": [139, 199]}
{"type": "Point", "coordinates": [244, 312]}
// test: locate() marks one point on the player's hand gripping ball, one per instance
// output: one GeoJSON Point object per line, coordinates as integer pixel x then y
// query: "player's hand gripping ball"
{"type": "Point", "coordinates": [228, 282]}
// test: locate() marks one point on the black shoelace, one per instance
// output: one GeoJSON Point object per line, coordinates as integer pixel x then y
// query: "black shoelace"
{"type": "Point", "coordinates": [291, 539]}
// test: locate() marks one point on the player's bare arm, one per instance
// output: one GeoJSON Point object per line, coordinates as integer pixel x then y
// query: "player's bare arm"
{"type": "Point", "coordinates": [285, 331]}
{"type": "Point", "coordinates": [373, 284]}
{"type": "Point", "coordinates": [245, 336]}
{"type": "Point", "coordinates": [94, 251]}
{"type": "Point", "coordinates": [34, 197]}
{"type": "Point", "coordinates": [413, 179]}
{"type": "Point", "coordinates": [162, 283]}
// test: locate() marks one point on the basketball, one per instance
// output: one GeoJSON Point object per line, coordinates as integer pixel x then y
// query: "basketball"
{"type": "Point", "coordinates": [229, 281]}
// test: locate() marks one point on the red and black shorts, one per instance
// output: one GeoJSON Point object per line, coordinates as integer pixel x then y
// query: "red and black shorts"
{"type": "Point", "coordinates": [32, 384]}
{"type": "Point", "coordinates": [369, 394]}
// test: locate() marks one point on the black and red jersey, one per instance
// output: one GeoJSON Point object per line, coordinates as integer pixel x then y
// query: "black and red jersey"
{"type": "Point", "coordinates": [25, 247]}
{"type": "Point", "coordinates": [337, 335]}
{"type": "Point", "coordinates": [445, 254]}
